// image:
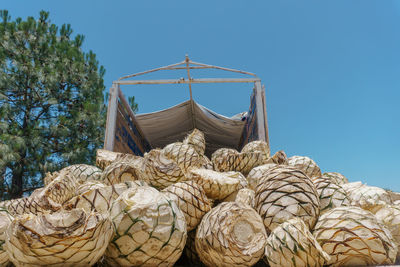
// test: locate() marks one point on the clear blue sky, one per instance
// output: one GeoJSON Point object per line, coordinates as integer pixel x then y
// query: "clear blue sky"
{"type": "Point", "coordinates": [331, 68]}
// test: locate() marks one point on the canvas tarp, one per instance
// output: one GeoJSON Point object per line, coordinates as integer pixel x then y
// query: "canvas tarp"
{"type": "Point", "coordinates": [173, 124]}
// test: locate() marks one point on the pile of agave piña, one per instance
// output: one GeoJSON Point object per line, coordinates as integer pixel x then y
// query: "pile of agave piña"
{"type": "Point", "coordinates": [174, 206]}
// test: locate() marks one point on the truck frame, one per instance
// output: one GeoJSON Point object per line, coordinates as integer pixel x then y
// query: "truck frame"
{"type": "Point", "coordinates": [124, 132]}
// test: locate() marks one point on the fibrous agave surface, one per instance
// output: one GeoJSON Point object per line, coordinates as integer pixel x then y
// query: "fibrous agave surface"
{"type": "Point", "coordinates": [106, 157]}
{"type": "Point", "coordinates": [285, 193]}
{"type": "Point", "coordinates": [226, 159]}
{"type": "Point", "coordinates": [336, 177]}
{"type": "Point", "coordinates": [149, 228]}
{"type": "Point", "coordinates": [370, 198]}
{"type": "Point", "coordinates": [80, 172]}
{"type": "Point", "coordinates": [279, 158]}
{"type": "Point", "coordinates": [191, 200]}
{"type": "Point", "coordinates": [163, 167]}
{"type": "Point", "coordinates": [306, 164]}
{"type": "Point", "coordinates": [390, 216]}
{"type": "Point", "coordinates": [217, 185]}
{"type": "Point", "coordinates": [257, 146]}
{"type": "Point", "coordinates": [50, 198]}
{"type": "Point", "coordinates": [231, 234]}
{"type": "Point", "coordinates": [5, 221]}
{"type": "Point", "coordinates": [83, 172]}
{"type": "Point", "coordinates": [292, 244]}
{"type": "Point", "coordinates": [258, 173]}
{"type": "Point", "coordinates": [350, 187]}
{"type": "Point", "coordinates": [331, 195]}
{"type": "Point", "coordinates": [353, 236]}
{"type": "Point", "coordinates": [64, 238]}
{"type": "Point", "coordinates": [123, 171]}
{"type": "Point", "coordinates": [161, 171]}
{"type": "Point", "coordinates": [185, 156]}
{"type": "Point", "coordinates": [197, 140]}
{"type": "Point", "coordinates": [245, 196]}
{"type": "Point", "coordinates": [99, 197]}
{"type": "Point", "coordinates": [24, 205]}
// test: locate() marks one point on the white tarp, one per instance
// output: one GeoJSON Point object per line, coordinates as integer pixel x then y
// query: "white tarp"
{"type": "Point", "coordinates": [173, 124]}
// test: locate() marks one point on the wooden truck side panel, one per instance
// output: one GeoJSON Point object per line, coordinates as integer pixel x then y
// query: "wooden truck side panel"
{"type": "Point", "coordinates": [122, 130]}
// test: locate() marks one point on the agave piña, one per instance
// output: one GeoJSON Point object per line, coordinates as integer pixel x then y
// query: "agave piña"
{"type": "Point", "coordinates": [331, 195]}
{"type": "Point", "coordinates": [231, 234]}
{"type": "Point", "coordinates": [306, 164]}
{"type": "Point", "coordinates": [284, 193]}
{"type": "Point", "coordinates": [149, 229]}
{"type": "Point", "coordinates": [292, 244]}
{"type": "Point", "coordinates": [353, 236]}
{"type": "Point", "coordinates": [63, 238]}
{"type": "Point", "coordinates": [191, 200]}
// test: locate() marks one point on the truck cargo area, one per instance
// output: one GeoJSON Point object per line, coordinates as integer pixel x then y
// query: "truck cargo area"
{"type": "Point", "coordinates": [138, 133]}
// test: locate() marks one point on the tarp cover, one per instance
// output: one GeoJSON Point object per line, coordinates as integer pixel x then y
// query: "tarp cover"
{"type": "Point", "coordinates": [173, 124]}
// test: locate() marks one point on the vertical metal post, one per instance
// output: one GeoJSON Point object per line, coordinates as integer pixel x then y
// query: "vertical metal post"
{"type": "Point", "coordinates": [260, 112]}
{"type": "Point", "coordinates": [111, 117]}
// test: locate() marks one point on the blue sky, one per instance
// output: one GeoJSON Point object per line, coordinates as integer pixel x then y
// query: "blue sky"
{"type": "Point", "coordinates": [331, 68]}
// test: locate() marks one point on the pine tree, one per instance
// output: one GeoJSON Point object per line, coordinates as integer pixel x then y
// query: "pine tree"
{"type": "Point", "coordinates": [134, 106]}
{"type": "Point", "coordinates": [51, 102]}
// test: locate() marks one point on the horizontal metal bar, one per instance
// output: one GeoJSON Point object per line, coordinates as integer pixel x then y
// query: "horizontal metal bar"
{"type": "Point", "coordinates": [186, 81]}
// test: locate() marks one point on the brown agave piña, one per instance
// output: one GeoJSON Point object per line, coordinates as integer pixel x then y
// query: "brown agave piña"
{"type": "Point", "coordinates": [336, 177]}
{"type": "Point", "coordinates": [245, 196]}
{"type": "Point", "coordinates": [217, 185]}
{"type": "Point", "coordinates": [5, 221]}
{"type": "Point", "coordinates": [63, 238]}
{"type": "Point", "coordinates": [184, 155]}
{"type": "Point", "coordinates": [196, 140]}
{"type": "Point", "coordinates": [149, 229]}
{"type": "Point", "coordinates": [353, 237]}
{"type": "Point", "coordinates": [284, 193]}
{"type": "Point", "coordinates": [80, 172]}
{"type": "Point", "coordinates": [307, 165]}
{"type": "Point", "coordinates": [106, 157]}
{"type": "Point", "coordinates": [257, 146]}
{"type": "Point", "coordinates": [231, 234]}
{"type": "Point", "coordinates": [122, 171]}
{"type": "Point", "coordinates": [370, 198]}
{"type": "Point", "coordinates": [291, 244]}
{"type": "Point", "coordinates": [163, 167]}
{"type": "Point", "coordinates": [225, 160]}
{"type": "Point", "coordinates": [191, 199]}
{"type": "Point", "coordinates": [99, 197]}
{"type": "Point", "coordinates": [331, 195]}
{"type": "Point", "coordinates": [258, 173]}
{"type": "Point", "coordinates": [389, 215]}
{"type": "Point", "coordinates": [50, 198]}
{"type": "Point", "coordinates": [161, 171]}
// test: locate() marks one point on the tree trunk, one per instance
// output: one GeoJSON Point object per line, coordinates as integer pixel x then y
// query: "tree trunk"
{"type": "Point", "coordinates": [16, 182]}
{"type": "Point", "coordinates": [3, 187]}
